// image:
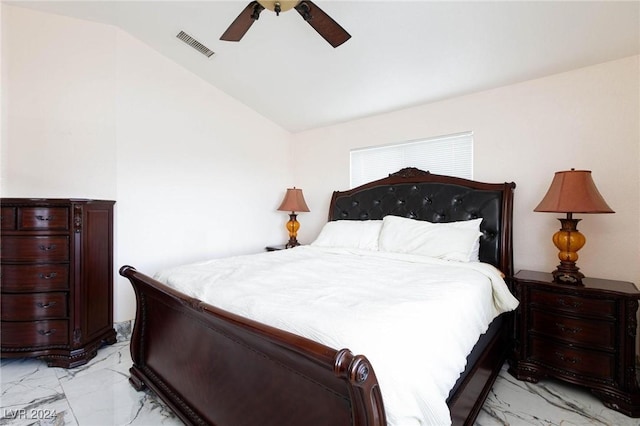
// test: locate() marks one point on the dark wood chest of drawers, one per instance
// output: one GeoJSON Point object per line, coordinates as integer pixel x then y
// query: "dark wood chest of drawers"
{"type": "Point", "coordinates": [581, 334]}
{"type": "Point", "coordinates": [57, 279]}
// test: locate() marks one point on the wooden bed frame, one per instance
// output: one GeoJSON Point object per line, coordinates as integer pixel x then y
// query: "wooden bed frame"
{"type": "Point", "coordinates": [213, 367]}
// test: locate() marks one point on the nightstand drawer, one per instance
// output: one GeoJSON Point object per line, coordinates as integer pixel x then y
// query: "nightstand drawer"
{"type": "Point", "coordinates": [593, 364]}
{"type": "Point", "coordinates": [32, 249]}
{"type": "Point", "coordinates": [574, 304]}
{"type": "Point", "coordinates": [30, 278]}
{"type": "Point", "coordinates": [572, 330]}
{"type": "Point", "coordinates": [34, 306]}
{"type": "Point", "coordinates": [41, 218]}
{"type": "Point", "coordinates": [35, 333]}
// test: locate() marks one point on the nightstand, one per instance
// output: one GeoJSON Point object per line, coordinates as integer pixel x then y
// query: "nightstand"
{"type": "Point", "coordinates": [280, 247]}
{"type": "Point", "coordinates": [585, 335]}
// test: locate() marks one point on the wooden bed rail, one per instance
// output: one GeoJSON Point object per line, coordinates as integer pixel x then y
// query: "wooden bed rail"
{"type": "Point", "coordinates": [216, 368]}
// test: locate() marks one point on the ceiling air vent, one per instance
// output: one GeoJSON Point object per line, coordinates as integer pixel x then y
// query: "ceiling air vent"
{"type": "Point", "coordinates": [195, 44]}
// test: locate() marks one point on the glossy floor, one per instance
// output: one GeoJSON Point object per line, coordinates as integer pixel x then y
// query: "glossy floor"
{"type": "Point", "coordinates": [99, 394]}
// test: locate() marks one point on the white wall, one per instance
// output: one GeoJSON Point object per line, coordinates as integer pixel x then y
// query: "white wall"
{"type": "Point", "coordinates": [59, 124]}
{"type": "Point", "coordinates": [89, 111]}
{"type": "Point", "coordinates": [587, 118]}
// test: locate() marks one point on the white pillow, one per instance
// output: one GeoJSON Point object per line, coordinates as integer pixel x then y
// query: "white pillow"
{"type": "Point", "coordinates": [449, 241]}
{"type": "Point", "coordinates": [361, 234]}
{"type": "Point", "coordinates": [470, 224]}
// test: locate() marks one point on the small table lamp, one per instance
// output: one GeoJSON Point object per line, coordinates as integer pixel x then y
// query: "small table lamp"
{"type": "Point", "coordinates": [293, 202]}
{"type": "Point", "coordinates": [571, 191]}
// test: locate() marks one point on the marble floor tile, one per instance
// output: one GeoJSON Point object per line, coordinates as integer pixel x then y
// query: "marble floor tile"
{"type": "Point", "coordinates": [32, 394]}
{"type": "Point", "coordinates": [95, 394]}
{"type": "Point", "coordinates": [123, 330]}
{"type": "Point", "coordinates": [99, 393]}
{"type": "Point", "coordinates": [115, 357]}
{"type": "Point", "coordinates": [546, 403]}
{"type": "Point", "coordinates": [25, 381]}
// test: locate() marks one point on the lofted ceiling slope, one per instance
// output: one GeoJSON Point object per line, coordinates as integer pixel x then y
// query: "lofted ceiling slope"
{"type": "Point", "coordinates": [401, 53]}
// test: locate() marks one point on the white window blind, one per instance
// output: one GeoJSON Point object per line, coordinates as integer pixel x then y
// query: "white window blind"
{"type": "Point", "coordinates": [450, 155]}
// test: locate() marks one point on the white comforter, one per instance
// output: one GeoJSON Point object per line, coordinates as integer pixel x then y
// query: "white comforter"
{"type": "Point", "coordinates": [427, 311]}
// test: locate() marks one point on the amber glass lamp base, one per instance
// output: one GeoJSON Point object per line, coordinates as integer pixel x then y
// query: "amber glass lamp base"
{"type": "Point", "coordinates": [568, 240]}
{"type": "Point", "coordinates": [292, 226]}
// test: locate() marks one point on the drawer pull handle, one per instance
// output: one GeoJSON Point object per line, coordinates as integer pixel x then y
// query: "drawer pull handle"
{"type": "Point", "coordinates": [45, 305]}
{"type": "Point", "coordinates": [46, 332]}
{"type": "Point", "coordinates": [48, 276]}
{"type": "Point", "coordinates": [563, 302]}
{"type": "Point", "coordinates": [566, 329]}
{"type": "Point", "coordinates": [46, 218]}
{"type": "Point", "coordinates": [567, 359]}
{"type": "Point", "coordinates": [48, 248]}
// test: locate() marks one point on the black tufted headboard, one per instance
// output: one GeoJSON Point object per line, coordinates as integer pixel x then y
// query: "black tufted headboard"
{"type": "Point", "coordinates": [421, 195]}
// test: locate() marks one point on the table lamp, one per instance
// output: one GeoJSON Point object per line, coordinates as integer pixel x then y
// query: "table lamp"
{"type": "Point", "coordinates": [293, 202]}
{"type": "Point", "coordinates": [571, 191]}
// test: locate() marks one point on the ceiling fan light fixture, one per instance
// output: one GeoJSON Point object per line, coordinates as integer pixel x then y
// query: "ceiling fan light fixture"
{"type": "Point", "coordinates": [278, 6]}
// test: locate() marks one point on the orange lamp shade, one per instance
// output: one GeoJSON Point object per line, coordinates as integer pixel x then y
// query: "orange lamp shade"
{"type": "Point", "coordinates": [293, 201]}
{"type": "Point", "coordinates": [573, 191]}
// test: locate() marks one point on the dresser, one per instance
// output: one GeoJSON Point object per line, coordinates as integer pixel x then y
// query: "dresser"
{"type": "Point", "coordinates": [57, 279]}
{"type": "Point", "coordinates": [585, 335]}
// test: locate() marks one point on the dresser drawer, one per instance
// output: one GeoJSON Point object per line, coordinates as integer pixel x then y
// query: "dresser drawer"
{"type": "Point", "coordinates": [34, 333]}
{"type": "Point", "coordinates": [574, 304]}
{"type": "Point", "coordinates": [34, 306]}
{"type": "Point", "coordinates": [32, 249]}
{"type": "Point", "coordinates": [32, 278]}
{"type": "Point", "coordinates": [585, 332]}
{"type": "Point", "coordinates": [8, 218]}
{"type": "Point", "coordinates": [41, 218]}
{"type": "Point", "coordinates": [594, 364]}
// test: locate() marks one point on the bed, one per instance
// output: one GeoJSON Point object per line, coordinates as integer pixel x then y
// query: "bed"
{"type": "Point", "coordinates": [214, 366]}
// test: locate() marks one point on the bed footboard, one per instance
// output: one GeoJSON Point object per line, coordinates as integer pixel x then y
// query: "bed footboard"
{"type": "Point", "coordinates": [213, 367]}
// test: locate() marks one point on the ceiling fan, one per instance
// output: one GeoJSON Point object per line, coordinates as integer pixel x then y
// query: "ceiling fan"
{"type": "Point", "coordinates": [329, 29]}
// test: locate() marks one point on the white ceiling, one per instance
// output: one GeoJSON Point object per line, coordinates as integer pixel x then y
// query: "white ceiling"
{"type": "Point", "coordinates": [402, 53]}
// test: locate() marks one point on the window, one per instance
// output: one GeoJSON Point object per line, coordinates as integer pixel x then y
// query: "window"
{"type": "Point", "coordinates": [450, 155]}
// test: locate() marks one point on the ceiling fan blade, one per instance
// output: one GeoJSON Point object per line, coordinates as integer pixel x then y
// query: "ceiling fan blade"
{"type": "Point", "coordinates": [329, 29]}
{"type": "Point", "coordinates": [243, 22]}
